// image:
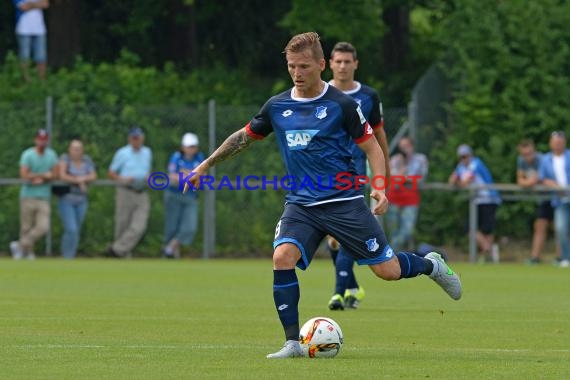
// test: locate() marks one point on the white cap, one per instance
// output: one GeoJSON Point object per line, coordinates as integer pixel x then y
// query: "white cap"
{"type": "Point", "coordinates": [190, 139]}
{"type": "Point", "coordinates": [464, 150]}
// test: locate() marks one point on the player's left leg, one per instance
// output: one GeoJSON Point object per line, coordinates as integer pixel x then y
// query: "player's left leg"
{"type": "Point", "coordinates": [359, 233]}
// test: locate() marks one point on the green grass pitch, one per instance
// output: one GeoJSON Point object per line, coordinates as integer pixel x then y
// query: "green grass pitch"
{"type": "Point", "coordinates": [215, 319]}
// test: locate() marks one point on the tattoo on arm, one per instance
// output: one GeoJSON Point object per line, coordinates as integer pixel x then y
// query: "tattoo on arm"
{"type": "Point", "coordinates": [234, 144]}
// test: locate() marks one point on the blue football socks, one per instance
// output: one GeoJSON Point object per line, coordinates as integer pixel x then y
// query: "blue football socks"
{"type": "Point", "coordinates": [345, 278]}
{"type": "Point", "coordinates": [286, 297]}
{"type": "Point", "coordinates": [413, 265]}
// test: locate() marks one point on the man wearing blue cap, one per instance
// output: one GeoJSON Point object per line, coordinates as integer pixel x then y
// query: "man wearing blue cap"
{"type": "Point", "coordinates": [130, 168]}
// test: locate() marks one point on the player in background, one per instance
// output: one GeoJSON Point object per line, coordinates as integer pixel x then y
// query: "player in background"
{"type": "Point", "coordinates": [313, 123]}
{"type": "Point", "coordinates": [343, 63]}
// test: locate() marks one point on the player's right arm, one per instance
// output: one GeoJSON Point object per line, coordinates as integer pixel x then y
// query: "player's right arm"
{"type": "Point", "coordinates": [233, 145]}
{"type": "Point", "coordinates": [259, 127]}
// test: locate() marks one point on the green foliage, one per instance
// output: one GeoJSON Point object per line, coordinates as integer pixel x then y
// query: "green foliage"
{"type": "Point", "coordinates": [507, 63]}
{"type": "Point", "coordinates": [509, 81]}
{"type": "Point", "coordinates": [335, 20]}
{"type": "Point", "coordinates": [126, 82]}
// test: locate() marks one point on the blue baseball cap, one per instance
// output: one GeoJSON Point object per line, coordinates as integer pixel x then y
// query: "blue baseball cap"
{"type": "Point", "coordinates": [136, 132]}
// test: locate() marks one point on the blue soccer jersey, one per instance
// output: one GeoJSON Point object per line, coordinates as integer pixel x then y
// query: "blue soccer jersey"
{"type": "Point", "coordinates": [369, 102]}
{"type": "Point", "coordinates": [315, 141]}
{"type": "Point", "coordinates": [177, 163]}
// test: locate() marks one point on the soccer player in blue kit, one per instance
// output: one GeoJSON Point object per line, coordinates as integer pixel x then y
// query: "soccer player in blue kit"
{"type": "Point", "coordinates": [314, 123]}
{"type": "Point", "coordinates": [343, 63]}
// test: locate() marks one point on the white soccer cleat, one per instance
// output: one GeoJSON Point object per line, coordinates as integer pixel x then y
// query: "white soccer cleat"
{"type": "Point", "coordinates": [16, 251]}
{"type": "Point", "coordinates": [291, 349]}
{"type": "Point", "coordinates": [444, 276]}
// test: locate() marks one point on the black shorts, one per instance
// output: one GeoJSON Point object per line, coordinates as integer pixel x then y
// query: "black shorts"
{"type": "Point", "coordinates": [545, 211]}
{"type": "Point", "coordinates": [486, 218]}
{"type": "Point", "coordinates": [350, 222]}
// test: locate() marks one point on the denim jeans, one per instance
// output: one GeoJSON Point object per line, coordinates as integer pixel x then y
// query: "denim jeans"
{"type": "Point", "coordinates": [181, 217]}
{"type": "Point", "coordinates": [562, 227]}
{"type": "Point", "coordinates": [72, 216]}
{"type": "Point", "coordinates": [32, 46]}
{"type": "Point", "coordinates": [401, 222]}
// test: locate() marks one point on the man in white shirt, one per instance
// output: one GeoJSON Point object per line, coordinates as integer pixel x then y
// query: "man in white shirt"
{"type": "Point", "coordinates": [31, 34]}
{"type": "Point", "coordinates": [554, 171]}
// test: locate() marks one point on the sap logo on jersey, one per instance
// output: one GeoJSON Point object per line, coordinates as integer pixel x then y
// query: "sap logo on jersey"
{"type": "Point", "coordinates": [299, 139]}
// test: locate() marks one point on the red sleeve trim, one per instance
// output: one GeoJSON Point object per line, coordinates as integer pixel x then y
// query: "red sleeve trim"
{"type": "Point", "coordinates": [251, 133]}
{"type": "Point", "coordinates": [367, 134]}
{"type": "Point", "coordinates": [379, 125]}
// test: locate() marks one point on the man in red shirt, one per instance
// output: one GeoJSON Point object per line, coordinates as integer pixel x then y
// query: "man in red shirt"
{"type": "Point", "coordinates": [405, 199]}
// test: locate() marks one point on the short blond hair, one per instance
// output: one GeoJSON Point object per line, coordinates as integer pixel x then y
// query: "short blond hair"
{"type": "Point", "coordinates": [303, 41]}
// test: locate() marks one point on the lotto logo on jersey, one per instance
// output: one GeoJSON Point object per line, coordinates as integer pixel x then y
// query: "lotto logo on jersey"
{"type": "Point", "coordinates": [299, 139]}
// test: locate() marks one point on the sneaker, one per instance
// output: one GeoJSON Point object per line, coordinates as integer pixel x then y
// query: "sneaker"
{"type": "Point", "coordinates": [291, 349]}
{"type": "Point", "coordinates": [533, 261]}
{"type": "Point", "coordinates": [564, 263]}
{"type": "Point", "coordinates": [336, 302]}
{"type": "Point", "coordinates": [353, 297]}
{"type": "Point", "coordinates": [444, 276]}
{"type": "Point", "coordinates": [31, 256]}
{"type": "Point", "coordinates": [110, 252]}
{"type": "Point", "coordinates": [167, 253]}
{"type": "Point", "coordinates": [16, 251]}
{"type": "Point", "coordinates": [351, 302]}
{"type": "Point", "coordinates": [495, 253]}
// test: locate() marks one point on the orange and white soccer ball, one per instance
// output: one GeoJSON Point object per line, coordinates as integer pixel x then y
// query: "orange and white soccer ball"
{"type": "Point", "coordinates": [321, 337]}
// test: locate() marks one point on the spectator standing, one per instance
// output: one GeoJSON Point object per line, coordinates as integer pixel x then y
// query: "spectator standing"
{"type": "Point", "coordinates": [181, 210]}
{"type": "Point", "coordinates": [472, 171]}
{"type": "Point", "coordinates": [528, 163]}
{"type": "Point", "coordinates": [404, 196]}
{"type": "Point", "coordinates": [38, 165]}
{"type": "Point", "coordinates": [130, 168]}
{"type": "Point", "coordinates": [554, 171]}
{"type": "Point", "coordinates": [78, 170]}
{"type": "Point", "coordinates": [31, 34]}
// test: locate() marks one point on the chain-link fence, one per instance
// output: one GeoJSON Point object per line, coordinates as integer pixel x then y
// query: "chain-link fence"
{"type": "Point", "coordinates": [244, 220]}
{"type": "Point", "coordinates": [427, 114]}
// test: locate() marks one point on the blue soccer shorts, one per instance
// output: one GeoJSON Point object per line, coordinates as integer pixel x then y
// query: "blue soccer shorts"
{"type": "Point", "coordinates": [350, 222]}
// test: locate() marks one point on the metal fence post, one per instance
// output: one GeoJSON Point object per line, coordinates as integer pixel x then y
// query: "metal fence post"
{"type": "Point", "coordinates": [210, 195]}
{"type": "Point", "coordinates": [472, 226]}
{"type": "Point", "coordinates": [412, 119]}
{"type": "Point", "coordinates": [49, 129]}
